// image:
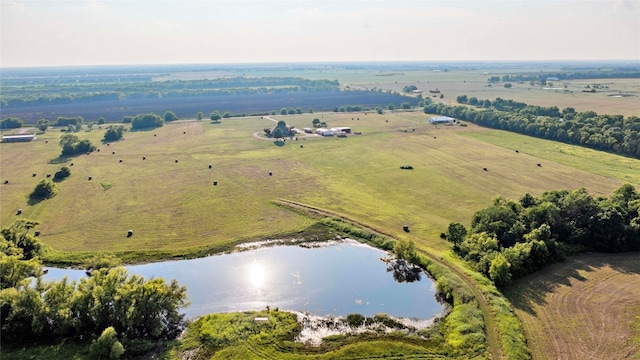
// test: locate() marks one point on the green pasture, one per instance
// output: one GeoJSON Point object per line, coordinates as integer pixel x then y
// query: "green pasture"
{"type": "Point", "coordinates": [174, 209]}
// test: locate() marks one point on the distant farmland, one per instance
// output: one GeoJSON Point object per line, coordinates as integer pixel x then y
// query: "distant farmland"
{"type": "Point", "coordinates": [185, 107]}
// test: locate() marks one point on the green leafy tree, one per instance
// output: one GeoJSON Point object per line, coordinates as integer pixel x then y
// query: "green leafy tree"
{"type": "Point", "coordinates": [62, 174]}
{"type": "Point", "coordinates": [43, 124]}
{"type": "Point", "coordinates": [406, 250]}
{"type": "Point", "coordinates": [170, 116]}
{"type": "Point", "coordinates": [405, 105]}
{"type": "Point", "coordinates": [72, 145]}
{"type": "Point", "coordinates": [146, 121]}
{"type": "Point", "coordinates": [379, 110]}
{"type": "Point", "coordinates": [114, 133]}
{"type": "Point", "coordinates": [456, 232]}
{"type": "Point", "coordinates": [200, 115]}
{"type": "Point", "coordinates": [101, 121]}
{"type": "Point", "coordinates": [499, 271]}
{"type": "Point", "coordinates": [391, 107]}
{"type": "Point", "coordinates": [409, 88]}
{"type": "Point", "coordinates": [45, 189]}
{"type": "Point", "coordinates": [277, 133]}
{"type": "Point", "coordinates": [215, 116]}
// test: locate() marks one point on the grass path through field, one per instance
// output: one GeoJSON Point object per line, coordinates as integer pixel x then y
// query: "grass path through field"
{"type": "Point", "coordinates": [491, 328]}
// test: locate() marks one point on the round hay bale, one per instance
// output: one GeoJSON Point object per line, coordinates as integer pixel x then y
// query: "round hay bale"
{"type": "Point", "coordinates": [485, 169]}
{"type": "Point", "coordinates": [48, 175]}
{"type": "Point", "coordinates": [144, 158]}
{"type": "Point", "coordinates": [98, 150]}
{"type": "Point", "coordinates": [6, 181]}
{"type": "Point", "coordinates": [517, 151]}
{"type": "Point", "coordinates": [108, 144]}
{"type": "Point", "coordinates": [71, 164]}
{"type": "Point", "coordinates": [210, 166]}
{"type": "Point", "coordinates": [215, 183]}
{"type": "Point", "coordinates": [33, 175]}
{"type": "Point", "coordinates": [176, 161]}
{"type": "Point", "coordinates": [129, 233]}
{"type": "Point", "coordinates": [184, 132]}
{"type": "Point", "coordinates": [89, 177]}
{"type": "Point", "coordinates": [37, 233]}
{"type": "Point", "coordinates": [539, 165]}
{"type": "Point", "coordinates": [113, 153]}
{"type": "Point", "coordinates": [120, 160]}
{"type": "Point", "coordinates": [270, 173]}
{"type": "Point", "coordinates": [301, 146]}
{"type": "Point", "coordinates": [19, 212]}
{"type": "Point", "coordinates": [46, 141]}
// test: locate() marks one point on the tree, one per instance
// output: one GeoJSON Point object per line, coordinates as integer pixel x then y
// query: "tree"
{"type": "Point", "coordinates": [391, 107]}
{"type": "Point", "coordinates": [315, 122]}
{"type": "Point", "coordinates": [45, 189]}
{"type": "Point", "coordinates": [101, 121]}
{"type": "Point", "coordinates": [406, 250]}
{"type": "Point", "coordinates": [43, 124]}
{"type": "Point", "coordinates": [278, 133]}
{"type": "Point", "coordinates": [499, 271]}
{"type": "Point", "coordinates": [215, 116]}
{"type": "Point", "coordinates": [170, 116]}
{"type": "Point", "coordinates": [456, 233]}
{"type": "Point", "coordinates": [62, 174]}
{"type": "Point", "coordinates": [283, 111]}
{"type": "Point", "coordinates": [379, 110]}
{"type": "Point", "coordinates": [409, 88]}
{"type": "Point", "coordinates": [114, 133]}
{"type": "Point", "coordinates": [405, 105]}
{"type": "Point", "coordinates": [200, 115]}
{"type": "Point", "coordinates": [508, 85]}
{"type": "Point", "coordinates": [145, 121]}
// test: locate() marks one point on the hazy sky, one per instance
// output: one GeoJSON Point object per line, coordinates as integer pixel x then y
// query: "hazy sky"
{"type": "Point", "coordinates": [88, 32]}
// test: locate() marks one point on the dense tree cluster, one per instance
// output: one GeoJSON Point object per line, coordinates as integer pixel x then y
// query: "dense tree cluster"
{"type": "Point", "coordinates": [510, 239]}
{"type": "Point", "coordinates": [11, 123]}
{"type": "Point", "coordinates": [613, 133]}
{"type": "Point", "coordinates": [541, 78]}
{"type": "Point", "coordinates": [31, 95]}
{"type": "Point", "coordinates": [138, 311]}
{"type": "Point", "coordinates": [66, 121]}
{"type": "Point", "coordinates": [72, 145]}
{"type": "Point", "coordinates": [146, 121]}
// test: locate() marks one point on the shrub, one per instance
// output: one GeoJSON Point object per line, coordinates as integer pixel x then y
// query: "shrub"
{"type": "Point", "coordinates": [145, 121]}
{"type": "Point", "coordinates": [355, 320]}
{"type": "Point", "coordinates": [170, 116]}
{"type": "Point", "coordinates": [107, 345]}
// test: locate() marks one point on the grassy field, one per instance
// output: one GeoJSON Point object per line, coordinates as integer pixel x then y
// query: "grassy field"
{"type": "Point", "coordinates": [169, 200]}
{"type": "Point", "coordinates": [173, 207]}
{"type": "Point", "coordinates": [608, 98]}
{"type": "Point", "coordinates": [584, 308]}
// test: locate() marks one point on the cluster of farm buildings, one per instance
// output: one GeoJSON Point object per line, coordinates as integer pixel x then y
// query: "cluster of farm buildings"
{"type": "Point", "coordinates": [338, 131]}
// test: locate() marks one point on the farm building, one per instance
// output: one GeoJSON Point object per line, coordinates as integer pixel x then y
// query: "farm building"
{"type": "Point", "coordinates": [341, 129]}
{"type": "Point", "coordinates": [324, 132]}
{"type": "Point", "coordinates": [18, 138]}
{"type": "Point", "coordinates": [442, 120]}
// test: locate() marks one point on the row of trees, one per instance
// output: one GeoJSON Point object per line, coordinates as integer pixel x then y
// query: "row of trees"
{"type": "Point", "coordinates": [613, 133]}
{"type": "Point", "coordinates": [140, 312]}
{"type": "Point", "coordinates": [21, 95]}
{"type": "Point", "coordinates": [570, 75]}
{"type": "Point", "coordinates": [510, 239]}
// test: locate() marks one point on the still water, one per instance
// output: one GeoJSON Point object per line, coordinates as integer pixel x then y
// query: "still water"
{"type": "Point", "coordinates": [331, 280]}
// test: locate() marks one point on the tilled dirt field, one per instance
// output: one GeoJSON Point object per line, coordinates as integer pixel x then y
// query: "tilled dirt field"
{"type": "Point", "coordinates": [587, 307]}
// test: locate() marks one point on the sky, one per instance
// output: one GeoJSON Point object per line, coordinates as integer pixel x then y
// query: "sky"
{"type": "Point", "coordinates": [121, 32]}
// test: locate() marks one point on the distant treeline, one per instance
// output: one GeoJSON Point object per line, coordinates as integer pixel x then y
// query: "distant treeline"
{"type": "Point", "coordinates": [613, 133]}
{"type": "Point", "coordinates": [621, 73]}
{"type": "Point", "coordinates": [508, 239]}
{"type": "Point", "coordinates": [31, 95]}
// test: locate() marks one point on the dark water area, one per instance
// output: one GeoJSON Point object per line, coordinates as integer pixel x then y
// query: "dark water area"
{"type": "Point", "coordinates": [330, 280]}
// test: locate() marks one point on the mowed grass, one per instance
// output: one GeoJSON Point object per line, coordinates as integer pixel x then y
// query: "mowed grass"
{"type": "Point", "coordinates": [584, 308]}
{"type": "Point", "coordinates": [174, 208]}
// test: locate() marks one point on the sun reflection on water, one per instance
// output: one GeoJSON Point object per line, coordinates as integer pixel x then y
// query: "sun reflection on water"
{"type": "Point", "coordinates": [257, 275]}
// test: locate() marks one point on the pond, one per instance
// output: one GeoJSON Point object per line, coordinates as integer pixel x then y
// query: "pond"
{"type": "Point", "coordinates": [333, 279]}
